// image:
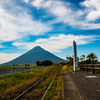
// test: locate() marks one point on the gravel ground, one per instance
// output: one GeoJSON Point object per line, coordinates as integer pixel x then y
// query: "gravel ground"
{"type": "Point", "coordinates": [88, 87]}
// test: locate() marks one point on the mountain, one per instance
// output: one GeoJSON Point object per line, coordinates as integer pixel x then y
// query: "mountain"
{"type": "Point", "coordinates": [37, 53]}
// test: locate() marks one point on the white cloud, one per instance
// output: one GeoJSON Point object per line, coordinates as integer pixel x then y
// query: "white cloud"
{"type": "Point", "coordinates": [55, 7]}
{"type": "Point", "coordinates": [1, 46]}
{"type": "Point", "coordinates": [18, 24]}
{"type": "Point", "coordinates": [94, 9]}
{"type": "Point", "coordinates": [93, 15]}
{"type": "Point", "coordinates": [91, 4]}
{"type": "Point", "coordinates": [26, 1]}
{"type": "Point", "coordinates": [4, 57]}
{"type": "Point", "coordinates": [37, 3]}
{"type": "Point", "coordinates": [56, 43]}
{"type": "Point", "coordinates": [64, 13]}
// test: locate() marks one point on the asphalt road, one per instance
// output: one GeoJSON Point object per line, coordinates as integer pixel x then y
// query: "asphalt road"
{"type": "Point", "coordinates": [88, 85]}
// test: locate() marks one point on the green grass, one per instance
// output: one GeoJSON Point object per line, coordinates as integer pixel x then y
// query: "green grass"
{"type": "Point", "coordinates": [68, 68]}
{"type": "Point", "coordinates": [16, 82]}
{"type": "Point", "coordinates": [5, 68]}
{"type": "Point", "coordinates": [96, 71]}
{"type": "Point", "coordinates": [12, 85]}
{"type": "Point", "coordinates": [55, 91]}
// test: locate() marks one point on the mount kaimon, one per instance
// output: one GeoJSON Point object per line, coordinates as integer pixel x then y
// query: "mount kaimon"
{"type": "Point", "coordinates": [33, 55]}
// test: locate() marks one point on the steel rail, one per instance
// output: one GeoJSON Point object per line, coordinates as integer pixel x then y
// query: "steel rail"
{"type": "Point", "coordinates": [49, 85]}
{"type": "Point", "coordinates": [31, 87]}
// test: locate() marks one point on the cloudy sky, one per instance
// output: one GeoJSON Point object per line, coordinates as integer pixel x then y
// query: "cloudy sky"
{"type": "Point", "coordinates": [51, 24]}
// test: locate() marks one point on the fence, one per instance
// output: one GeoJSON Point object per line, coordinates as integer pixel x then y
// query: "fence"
{"type": "Point", "coordinates": [90, 66]}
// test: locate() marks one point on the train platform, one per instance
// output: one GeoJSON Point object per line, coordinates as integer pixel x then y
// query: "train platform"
{"type": "Point", "coordinates": [69, 91]}
{"type": "Point", "coordinates": [80, 86]}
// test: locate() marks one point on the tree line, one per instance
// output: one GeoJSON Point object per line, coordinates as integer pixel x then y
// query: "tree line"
{"type": "Point", "coordinates": [91, 58]}
{"type": "Point", "coordinates": [44, 63]}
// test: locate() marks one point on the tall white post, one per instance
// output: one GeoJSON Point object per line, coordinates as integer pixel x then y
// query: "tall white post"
{"type": "Point", "coordinates": [74, 56]}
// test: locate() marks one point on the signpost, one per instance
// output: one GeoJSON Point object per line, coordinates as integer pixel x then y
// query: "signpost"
{"type": "Point", "coordinates": [75, 56]}
{"type": "Point", "coordinates": [68, 58]}
{"type": "Point", "coordinates": [27, 66]}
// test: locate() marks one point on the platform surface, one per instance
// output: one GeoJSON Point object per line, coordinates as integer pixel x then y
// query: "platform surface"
{"type": "Point", "coordinates": [80, 86]}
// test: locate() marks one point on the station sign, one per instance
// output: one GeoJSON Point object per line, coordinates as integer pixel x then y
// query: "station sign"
{"type": "Point", "coordinates": [75, 56]}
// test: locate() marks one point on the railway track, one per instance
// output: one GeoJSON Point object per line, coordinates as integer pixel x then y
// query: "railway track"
{"type": "Point", "coordinates": [38, 90]}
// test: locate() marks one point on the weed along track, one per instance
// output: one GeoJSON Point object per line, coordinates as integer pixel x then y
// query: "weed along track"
{"type": "Point", "coordinates": [40, 88]}
{"type": "Point", "coordinates": [12, 85]}
{"type": "Point", "coordinates": [30, 88]}
{"type": "Point", "coordinates": [49, 86]}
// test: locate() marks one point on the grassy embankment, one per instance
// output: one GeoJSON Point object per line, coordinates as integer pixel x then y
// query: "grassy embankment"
{"type": "Point", "coordinates": [5, 68]}
{"type": "Point", "coordinates": [69, 68]}
{"type": "Point", "coordinates": [12, 85]}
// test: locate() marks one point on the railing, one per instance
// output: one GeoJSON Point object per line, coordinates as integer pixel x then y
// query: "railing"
{"type": "Point", "coordinates": [90, 66]}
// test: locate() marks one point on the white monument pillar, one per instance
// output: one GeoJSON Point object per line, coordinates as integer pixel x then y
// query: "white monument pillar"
{"type": "Point", "coordinates": [74, 56]}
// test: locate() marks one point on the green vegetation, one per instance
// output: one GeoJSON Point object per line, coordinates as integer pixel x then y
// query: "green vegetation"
{"type": "Point", "coordinates": [70, 61]}
{"type": "Point", "coordinates": [13, 84]}
{"type": "Point", "coordinates": [95, 71]}
{"type": "Point", "coordinates": [62, 63]}
{"type": "Point", "coordinates": [40, 89]}
{"type": "Point", "coordinates": [44, 63]}
{"type": "Point", "coordinates": [68, 68]}
{"type": "Point", "coordinates": [5, 68]}
{"type": "Point", "coordinates": [54, 93]}
{"type": "Point", "coordinates": [38, 63]}
{"type": "Point", "coordinates": [91, 58]}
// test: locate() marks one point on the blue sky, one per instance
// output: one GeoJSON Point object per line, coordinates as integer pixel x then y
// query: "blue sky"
{"type": "Point", "coordinates": [51, 24]}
